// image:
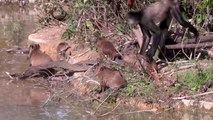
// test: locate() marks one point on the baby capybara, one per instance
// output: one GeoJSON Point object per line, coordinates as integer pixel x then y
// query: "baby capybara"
{"type": "Point", "coordinates": [37, 57]}
{"type": "Point", "coordinates": [110, 78]}
{"type": "Point", "coordinates": [107, 48]}
{"type": "Point", "coordinates": [62, 51]}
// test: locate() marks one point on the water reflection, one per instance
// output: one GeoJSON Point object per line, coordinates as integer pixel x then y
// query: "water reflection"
{"type": "Point", "coordinates": [32, 113]}
{"type": "Point", "coordinates": [16, 24]}
{"type": "Point", "coordinates": [20, 100]}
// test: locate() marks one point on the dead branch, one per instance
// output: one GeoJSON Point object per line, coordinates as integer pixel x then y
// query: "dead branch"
{"type": "Point", "coordinates": [205, 41]}
{"type": "Point", "coordinates": [78, 67]}
{"type": "Point", "coordinates": [179, 69]}
{"type": "Point", "coordinates": [17, 50]}
{"type": "Point", "coordinates": [139, 36]}
{"type": "Point", "coordinates": [110, 111]}
{"type": "Point", "coordinates": [180, 45]}
{"type": "Point", "coordinates": [203, 38]}
{"type": "Point", "coordinates": [103, 101]}
{"type": "Point", "coordinates": [197, 95]}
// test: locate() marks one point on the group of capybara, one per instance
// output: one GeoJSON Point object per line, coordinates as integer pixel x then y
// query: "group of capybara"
{"type": "Point", "coordinates": [37, 57]}
{"type": "Point", "coordinates": [109, 77]}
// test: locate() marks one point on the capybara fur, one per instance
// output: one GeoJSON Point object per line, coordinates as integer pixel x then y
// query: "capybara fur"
{"type": "Point", "coordinates": [63, 51]}
{"type": "Point", "coordinates": [110, 78]}
{"type": "Point", "coordinates": [37, 57]}
{"type": "Point", "coordinates": [107, 48]}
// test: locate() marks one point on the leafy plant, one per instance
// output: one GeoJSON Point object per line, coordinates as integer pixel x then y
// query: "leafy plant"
{"type": "Point", "coordinates": [137, 85]}
{"type": "Point", "coordinates": [200, 11]}
{"type": "Point", "coordinates": [204, 13]}
{"type": "Point", "coordinates": [129, 90]}
{"type": "Point", "coordinates": [194, 79]}
{"type": "Point", "coordinates": [70, 29]}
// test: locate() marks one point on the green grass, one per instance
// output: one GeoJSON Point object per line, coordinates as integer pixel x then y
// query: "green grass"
{"type": "Point", "coordinates": [193, 79]}
{"type": "Point", "coordinates": [139, 88]}
{"type": "Point", "coordinates": [70, 29]}
{"type": "Point", "coordinates": [138, 85]}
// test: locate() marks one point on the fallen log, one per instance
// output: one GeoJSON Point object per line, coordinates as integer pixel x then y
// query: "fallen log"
{"type": "Point", "coordinates": [183, 45]}
{"type": "Point", "coordinates": [17, 50]}
{"type": "Point", "coordinates": [203, 38]}
{"type": "Point", "coordinates": [78, 67]}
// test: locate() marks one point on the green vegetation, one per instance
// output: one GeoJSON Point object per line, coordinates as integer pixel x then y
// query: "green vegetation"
{"type": "Point", "coordinates": [90, 17]}
{"type": "Point", "coordinates": [139, 88]}
{"type": "Point", "coordinates": [70, 29]}
{"type": "Point", "coordinates": [193, 79]}
{"type": "Point", "coordinates": [138, 85]}
{"type": "Point", "coordinates": [204, 14]}
{"type": "Point", "coordinates": [200, 11]}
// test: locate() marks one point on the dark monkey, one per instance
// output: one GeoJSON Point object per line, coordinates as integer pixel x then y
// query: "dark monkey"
{"type": "Point", "coordinates": [160, 12]}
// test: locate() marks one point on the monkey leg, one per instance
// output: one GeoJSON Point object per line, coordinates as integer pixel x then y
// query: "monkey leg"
{"type": "Point", "coordinates": [146, 41]}
{"type": "Point", "coordinates": [157, 37]}
{"type": "Point", "coordinates": [164, 29]}
{"type": "Point", "coordinates": [154, 46]}
{"type": "Point", "coordinates": [164, 25]}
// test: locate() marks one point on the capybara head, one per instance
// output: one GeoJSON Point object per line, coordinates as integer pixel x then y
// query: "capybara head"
{"type": "Point", "coordinates": [63, 51]}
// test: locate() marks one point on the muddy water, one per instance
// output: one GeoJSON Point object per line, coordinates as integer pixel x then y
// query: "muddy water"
{"type": "Point", "coordinates": [21, 100]}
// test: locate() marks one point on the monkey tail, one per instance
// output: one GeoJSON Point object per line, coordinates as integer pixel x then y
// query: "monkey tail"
{"type": "Point", "coordinates": [177, 15]}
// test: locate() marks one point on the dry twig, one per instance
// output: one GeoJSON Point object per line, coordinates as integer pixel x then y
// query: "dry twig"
{"type": "Point", "coordinates": [193, 96]}
{"type": "Point", "coordinates": [103, 101]}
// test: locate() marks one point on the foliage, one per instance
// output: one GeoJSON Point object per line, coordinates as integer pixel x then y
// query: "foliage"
{"type": "Point", "coordinates": [201, 11]}
{"type": "Point", "coordinates": [204, 14]}
{"type": "Point", "coordinates": [108, 17]}
{"type": "Point", "coordinates": [139, 88]}
{"type": "Point", "coordinates": [70, 29]}
{"type": "Point", "coordinates": [137, 85]}
{"type": "Point", "coordinates": [92, 16]}
{"type": "Point", "coordinates": [194, 79]}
